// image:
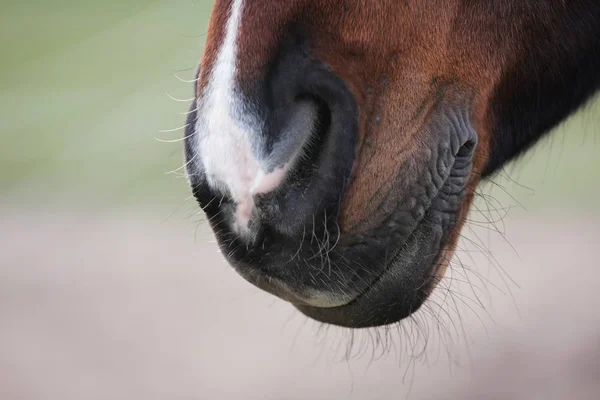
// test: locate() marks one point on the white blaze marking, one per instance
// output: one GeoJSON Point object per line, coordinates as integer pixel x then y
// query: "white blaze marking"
{"type": "Point", "coordinates": [226, 144]}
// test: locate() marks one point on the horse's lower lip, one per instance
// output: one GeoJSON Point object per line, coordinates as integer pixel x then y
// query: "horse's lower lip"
{"type": "Point", "coordinates": [302, 297]}
{"type": "Point", "coordinates": [298, 296]}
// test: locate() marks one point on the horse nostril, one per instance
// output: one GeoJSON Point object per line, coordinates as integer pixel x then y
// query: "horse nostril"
{"type": "Point", "coordinates": [309, 156]}
{"type": "Point", "coordinates": [297, 152]}
{"type": "Point", "coordinates": [279, 149]}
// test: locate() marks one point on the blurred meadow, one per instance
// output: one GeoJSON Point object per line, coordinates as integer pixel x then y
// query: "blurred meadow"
{"type": "Point", "coordinates": [110, 288]}
{"type": "Point", "coordinates": [84, 98]}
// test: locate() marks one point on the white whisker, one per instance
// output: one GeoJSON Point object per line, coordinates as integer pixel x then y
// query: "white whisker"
{"type": "Point", "coordinates": [174, 130]}
{"type": "Point", "coordinates": [182, 167]}
{"type": "Point", "coordinates": [185, 80]}
{"type": "Point", "coordinates": [189, 112]}
{"type": "Point", "coordinates": [179, 100]}
{"type": "Point", "coordinates": [173, 140]}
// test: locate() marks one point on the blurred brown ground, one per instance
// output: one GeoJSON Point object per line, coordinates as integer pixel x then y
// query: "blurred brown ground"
{"type": "Point", "coordinates": [121, 306]}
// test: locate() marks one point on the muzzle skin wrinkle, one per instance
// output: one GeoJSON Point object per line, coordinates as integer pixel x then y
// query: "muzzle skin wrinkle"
{"type": "Point", "coordinates": [413, 261]}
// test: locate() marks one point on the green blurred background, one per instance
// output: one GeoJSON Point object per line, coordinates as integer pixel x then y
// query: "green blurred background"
{"type": "Point", "coordinates": [83, 97]}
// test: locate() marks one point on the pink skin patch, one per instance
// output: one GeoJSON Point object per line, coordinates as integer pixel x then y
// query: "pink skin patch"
{"type": "Point", "coordinates": [263, 183]}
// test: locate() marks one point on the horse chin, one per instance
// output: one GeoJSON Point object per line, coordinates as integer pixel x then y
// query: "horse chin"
{"type": "Point", "coordinates": [409, 277]}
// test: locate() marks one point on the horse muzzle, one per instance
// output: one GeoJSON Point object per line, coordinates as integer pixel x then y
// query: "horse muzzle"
{"type": "Point", "coordinates": [270, 162]}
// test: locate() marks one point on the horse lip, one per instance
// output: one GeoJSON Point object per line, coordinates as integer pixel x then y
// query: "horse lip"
{"type": "Point", "coordinates": [417, 274]}
{"type": "Point", "coordinates": [303, 296]}
{"type": "Point", "coordinates": [307, 298]}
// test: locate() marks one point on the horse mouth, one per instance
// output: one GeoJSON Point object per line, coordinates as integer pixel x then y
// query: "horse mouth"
{"type": "Point", "coordinates": [310, 301]}
{"type": "Point", "coordinates": [358, 279]}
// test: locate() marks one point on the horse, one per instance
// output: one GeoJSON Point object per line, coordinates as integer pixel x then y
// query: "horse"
{"type": "Point", "coordinates": [336, 145]}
